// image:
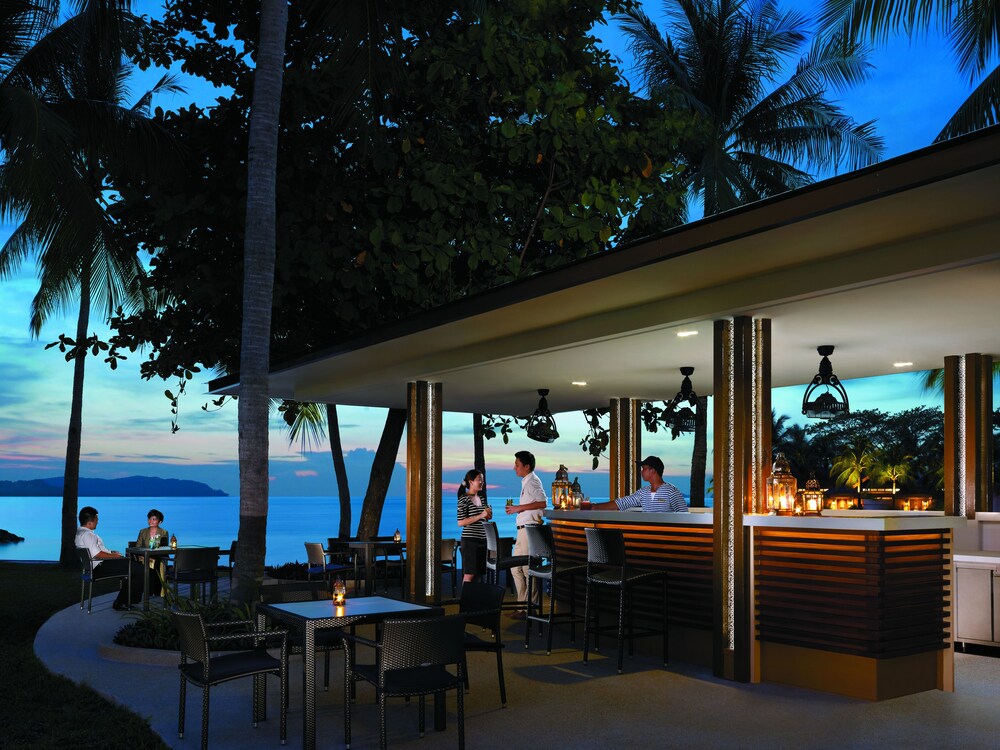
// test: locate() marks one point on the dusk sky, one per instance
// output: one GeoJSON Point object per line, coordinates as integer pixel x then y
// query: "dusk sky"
{"type": "Point", "coordinates": [126, 426]}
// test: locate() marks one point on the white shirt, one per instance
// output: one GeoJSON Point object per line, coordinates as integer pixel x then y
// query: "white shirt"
{"type": "Point", "coordinates": [531, 492]}
{"type": "Point", "coordinates": [88, 539]}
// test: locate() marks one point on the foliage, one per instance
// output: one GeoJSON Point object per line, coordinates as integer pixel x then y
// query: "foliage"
{"type": "Point", "coordinates": [290, 571]}
{"type": "Point", "coordinates": [512, 147]}
{"type": "Point", "coordinates": [853, 463]}
{"type": "Point", "coordinates": [720, 60]}
{"type": "Point", "coordinates": [41, 709]}
{"type": "Point", "coordinates": [155, 628]}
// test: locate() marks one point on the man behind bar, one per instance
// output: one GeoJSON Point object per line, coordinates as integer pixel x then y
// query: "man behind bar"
{"type": "Point", "coordinates": [659, 497]}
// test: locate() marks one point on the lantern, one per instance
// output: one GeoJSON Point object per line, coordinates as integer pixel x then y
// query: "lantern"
{"type": "Point", "coordinates": [562, 490]}
{"type": "Point", "coordinates": [577, 493]}
{"type": "Point", "coordinates": [541, 426]}
{"type": "Point", "coordinates": [812, 496]}
{"type": "Point", "coordinates": [397, 537]}
{"type": "Point", "coordinates": [781, 487]}
{"type": "Point", "coordinates": [339, 592]}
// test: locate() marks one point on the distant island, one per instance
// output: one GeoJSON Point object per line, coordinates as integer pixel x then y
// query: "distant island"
{"type": "Point", "coordinates": [124, 487]}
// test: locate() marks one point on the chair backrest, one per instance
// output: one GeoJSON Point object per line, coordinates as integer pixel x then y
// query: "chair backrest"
{"type": "Point", "coordinates": [492, 539]}
{"type": "Point", "coordinates": [605, 547]}
{"type": "Point", "coordinates": [540, 544]}
{"type": "Point", "coordinates": [192, 637]}
{"type": "Point", "coordinates": [481, 603]}
{"type": "Point", "coordinates": [86, 563]}
{"type": "Point", "coordinates": [340, 550]}
{"type": "Point", "coordinates": [422, 643]}
{"type": "Point", "coordinates": [315, 554]}
{"type": "Point", "coordinates": [232, 554]}
{"type": "Point", "coordinates": [197, 560]}
{"type": "Point", "coordinates": [294, 591]}
{"type": "Point", "coordinates": [448, 550]}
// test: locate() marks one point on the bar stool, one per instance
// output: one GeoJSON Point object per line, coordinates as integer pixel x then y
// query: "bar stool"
{"type": "Point", "coordinates": [607, 566]}
{"type": "Point", "coordinates": [495, 561]}
{"type": "Point", "coordinates": [544, 566]}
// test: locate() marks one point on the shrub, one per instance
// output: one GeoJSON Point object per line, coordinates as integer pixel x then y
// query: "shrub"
{"type": "Point", "coordinates": [293, 571]}
{"type": "Point", "coordinates": [155, 628]}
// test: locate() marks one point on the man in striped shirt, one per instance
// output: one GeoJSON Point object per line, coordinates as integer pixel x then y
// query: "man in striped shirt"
{"type": "Point", "coordinates": [659, 497]}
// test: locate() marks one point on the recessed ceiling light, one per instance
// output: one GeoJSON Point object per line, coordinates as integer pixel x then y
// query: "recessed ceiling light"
{"type": "Point", "coordinates": [578, 382]}
{"type": "Point", "coordinates": [902, 364]}
{"type": "Point", "coordinates": [685, 334]}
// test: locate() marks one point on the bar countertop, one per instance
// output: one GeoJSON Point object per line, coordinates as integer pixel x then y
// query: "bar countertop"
{"type": "Point", "coordinates": [860, 520]}
{"type": "Point", "coordinates": [698, 517]}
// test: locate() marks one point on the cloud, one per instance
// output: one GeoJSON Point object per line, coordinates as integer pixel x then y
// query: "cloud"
{"type": "Point", "coordinates": [306, 473]}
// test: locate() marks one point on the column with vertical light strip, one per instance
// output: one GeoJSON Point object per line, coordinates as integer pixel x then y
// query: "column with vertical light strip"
{"type": "Point", "coordinates": [968, 434]}
{"type": "Point", "coordinates": [423, 489]}
{"type": "Point", "coordinates": [625, 445]}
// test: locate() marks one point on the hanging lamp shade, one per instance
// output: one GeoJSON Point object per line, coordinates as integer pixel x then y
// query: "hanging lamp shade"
{"type": "Point", "coordinates": [541, 426]}
{"type": "Point", "coordinates": [833, 400]}
{"type": "Point", "coordinates": [681, 412]}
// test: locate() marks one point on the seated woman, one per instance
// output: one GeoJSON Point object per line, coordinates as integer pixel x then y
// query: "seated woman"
{"type": "Point", "coordinates": [154, 518]}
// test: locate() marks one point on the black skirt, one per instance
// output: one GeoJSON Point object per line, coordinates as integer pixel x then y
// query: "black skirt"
{"type": "Point", "coordinates": [473, 556]}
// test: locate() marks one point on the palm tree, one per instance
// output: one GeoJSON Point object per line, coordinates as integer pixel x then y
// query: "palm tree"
{"type": "Point", "coordinates": [258, 284]}
{"type": "Point", "coordinates": [970, 26]}
{"type": "Point", "coordinates": [894, 471]}
{"type": "Point", "coordinates": [718, 59]}
{"type": "Point", "coordinates": [853, 464]}
{"type": "Point", "coordinates": [62, 196]}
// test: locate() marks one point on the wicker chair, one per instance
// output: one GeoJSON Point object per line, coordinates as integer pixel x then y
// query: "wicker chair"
{"type": "Point", "coordinates": [607, 567]}
{"type": "Point", "coordinates": [481, 604]}
{"type": "Point", "coordinates": [544, 566]}
{"type": "Point", "coordinates": [318, 566]}
{"type": "Point", "coordinates": [196, 566]}
{"type": "Point", "coordinates": [205, 670]}
{"type": "Point", "coordinates": [449, 562]}
{"type": "Point", "coordinates": [498, 558]}
{"type": "Point", "coordinates": [306, 591]}
{"type": "Point", "coordinates": [87, 577]}
{"type": "Point", "coordinates": [412, 658]}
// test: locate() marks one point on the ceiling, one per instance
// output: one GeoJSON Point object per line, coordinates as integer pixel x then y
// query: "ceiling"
{"type": "Point", "coordinates": [897, 263]}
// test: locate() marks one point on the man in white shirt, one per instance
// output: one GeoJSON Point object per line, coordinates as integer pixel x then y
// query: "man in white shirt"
{"type": "Point", "coordinates": [529, 513]}
{"type": "Point", "coordinates": [659, 497]}
{"type": "Point", "coordinates": [108, 563]}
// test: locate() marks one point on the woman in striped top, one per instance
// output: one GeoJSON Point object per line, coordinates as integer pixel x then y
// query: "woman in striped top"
{"type": "Point", "coordinates": [472, 511]}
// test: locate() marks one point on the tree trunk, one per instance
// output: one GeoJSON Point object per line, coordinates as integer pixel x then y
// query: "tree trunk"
{"type": "Point", "coordinates": [479, 448]}
{"type": "Point", "coordinates": [343, 488]}
{"type": "Point", "coordinates": [382, 466]}
{"type": "Point", "coordinates": [699, 454]}
{"type": "Point", "coordinates": [74, 440]}
{"type": "Point", "coordinates": [258, 283]}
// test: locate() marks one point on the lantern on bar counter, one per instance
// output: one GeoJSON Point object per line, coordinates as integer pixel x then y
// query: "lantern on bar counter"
{"type": "Point", "coordinates": [562, 490]}
{"type": "Point", "coordinates": [577, 493]}
{"type": "Point", "coordinates": [781, 487]}
{"type": "Point", "coordinates": [812, 496]}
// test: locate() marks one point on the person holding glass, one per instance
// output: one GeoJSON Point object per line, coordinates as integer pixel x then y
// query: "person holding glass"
{"type": "Point", "coordinates": [154, 536]}
{"type": "Point", "coordinates": [472, 511]}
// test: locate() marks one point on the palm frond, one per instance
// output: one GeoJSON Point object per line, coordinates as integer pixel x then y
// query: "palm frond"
{"type": "Point", "coordinates": [980, 109]}
{"type": "Point", "coordinates": [877, 20]}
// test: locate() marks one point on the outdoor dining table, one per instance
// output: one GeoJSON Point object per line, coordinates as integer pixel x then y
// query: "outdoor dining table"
{"type": "Point", "coordinates": [159, 553]}
{"type": "Point", "coordinates": [310, 616]}
{"type": "Point", "coordinates": [368, 548]}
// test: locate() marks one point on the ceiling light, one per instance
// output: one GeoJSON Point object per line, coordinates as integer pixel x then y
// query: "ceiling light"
{"type": "Point", "coordinates": [541, 426]}
{"type": "Point", "coordinates": [578, 382]}
{"type": "Point", "coordinates": [825, 405]}
{"type": "Point", "coordinates": [685, 334]}
{"type": "Point", "coordinates": [902, 364]}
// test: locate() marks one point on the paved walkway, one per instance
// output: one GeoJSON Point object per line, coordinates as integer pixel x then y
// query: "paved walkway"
{"type": "Point", "coordinates": [553, 702]}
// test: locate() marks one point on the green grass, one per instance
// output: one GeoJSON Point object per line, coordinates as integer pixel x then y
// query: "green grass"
{"type": "Point", "coordinates": [40, 709]}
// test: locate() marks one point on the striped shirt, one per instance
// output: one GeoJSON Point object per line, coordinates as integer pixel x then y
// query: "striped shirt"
{"type": "Point", "coordinates": [666, 499]}
{"type": "Point", "coordinates": [468, 509]}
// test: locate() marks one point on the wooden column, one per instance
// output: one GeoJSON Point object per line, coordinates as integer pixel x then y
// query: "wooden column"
{"type": "Point", "coordinates": [742, 435]}
{"type": "Point", "coordinates": [624, 447]}
{"type": "Point", "coordinates": [968, 434]}
{"type": "Point", "coordinates": [423, 490]}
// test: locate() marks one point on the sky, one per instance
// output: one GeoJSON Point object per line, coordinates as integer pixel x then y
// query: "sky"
{"type": "Point", "coordinates": [913, 90]}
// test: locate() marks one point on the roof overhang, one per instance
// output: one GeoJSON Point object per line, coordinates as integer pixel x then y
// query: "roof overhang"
{"type": "Point", "coordinates": [898, 262]}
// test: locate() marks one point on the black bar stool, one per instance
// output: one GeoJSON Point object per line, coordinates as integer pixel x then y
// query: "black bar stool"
{"type": "Point", "coordinates": [607, 566]}
{"type": "Point", "coordinates": [498, 558]}
{"type": "Point", "coordinates": [543, 566]}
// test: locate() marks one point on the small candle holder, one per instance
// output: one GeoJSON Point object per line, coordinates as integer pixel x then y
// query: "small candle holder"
{"type": "Point", "coordinates": [339, 592]}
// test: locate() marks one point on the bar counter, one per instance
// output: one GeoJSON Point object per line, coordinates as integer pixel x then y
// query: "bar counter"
{"type": "Point", "coordinates": [852, 602]}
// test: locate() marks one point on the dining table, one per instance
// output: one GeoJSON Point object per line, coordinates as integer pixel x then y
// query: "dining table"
{"type": "Point", "coordinates": [311, 616]}
{"type": "Point", "coordinates": [369, 548]}
{"type": "Point", "coordinates": [155, 554]}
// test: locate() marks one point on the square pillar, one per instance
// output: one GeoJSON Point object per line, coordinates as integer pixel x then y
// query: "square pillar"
{"type": "Point", "coordinates": [968, 434]}
{"type": "Point", "coordinates": [423, 490]}
{"type": "Point", "coordinates": [624, 447]}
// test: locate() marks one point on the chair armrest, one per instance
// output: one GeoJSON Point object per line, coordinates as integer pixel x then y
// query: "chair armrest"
{"type": "Point", "coordinates": [228, 623]}
{"type": "Point", "coordinates": [354, 638]}
{"type": "Point", "coordinates": [255, 635]}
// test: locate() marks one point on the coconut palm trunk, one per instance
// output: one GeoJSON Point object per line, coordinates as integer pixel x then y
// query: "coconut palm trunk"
{"type": "Point", "coordinates": [479, 446]}
{"type": "Point", "coordinates": [381, 474]}
{"type": "Point", "coordinates": [699, 454]}
{"type": "Point", "coordinates": [340, 469]}
{"type": "Point", "coordinates": [258, 283]}
{"type": "Point", "coordinates": [74, 439]}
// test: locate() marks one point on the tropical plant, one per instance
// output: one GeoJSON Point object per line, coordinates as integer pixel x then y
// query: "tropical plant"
{"type": "Point", "coordinates": [721, 60]}
{"type": "Point", "coordinates": [155, 627]}
{"type": "Point", "coordinates": [854, 463]}
{"type": "Point", "coordinates": [971, 27]}
{"type": "Point", "coordinates": [892, 468]}
{"type": "Point", "coordinates": [62, 192]}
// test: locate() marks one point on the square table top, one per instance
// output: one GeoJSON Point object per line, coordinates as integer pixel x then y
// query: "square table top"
{"type": "Point", "coordinates": [355, 608]}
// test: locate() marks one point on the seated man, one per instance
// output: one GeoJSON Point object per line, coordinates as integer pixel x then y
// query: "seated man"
{"type": "Point", "coordinates": [659, 497]}
{"type": "Point", "coordinates": [106, 562]}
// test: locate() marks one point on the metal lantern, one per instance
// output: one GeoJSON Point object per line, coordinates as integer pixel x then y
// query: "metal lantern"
{"type": "Point", "coordinates": [541, 426]}
{"type": "Point", "coordinates": [577, 491]}
{"type": "Point", "coordinates": [562, 490]}
{"type": "Point", "coordinates": [812, 496]}
{"type": "Point", "coordinates": [680, 413]}
{"type": "Point", "coordinates": [781, 487]}
{"type": "Point", "coordinates": [339, 592]}
{"type": "Point", "coordinates": [826, 405]}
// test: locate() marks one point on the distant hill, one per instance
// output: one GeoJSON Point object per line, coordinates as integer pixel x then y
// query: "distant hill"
{"type": "Point", "coordinates": [124, 487]}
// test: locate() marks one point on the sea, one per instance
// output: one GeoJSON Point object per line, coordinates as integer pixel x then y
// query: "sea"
{"type": "Point", "coordinates": [208, 521]}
